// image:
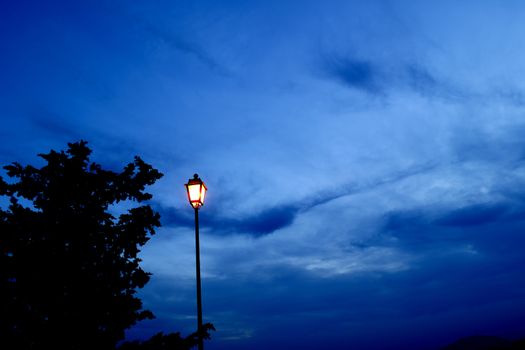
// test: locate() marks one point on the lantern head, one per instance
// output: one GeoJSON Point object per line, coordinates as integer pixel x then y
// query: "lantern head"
{"type": "Point", "coordinates": [196, 191]}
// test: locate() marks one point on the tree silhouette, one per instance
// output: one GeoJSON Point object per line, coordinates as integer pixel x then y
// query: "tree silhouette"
{"type": "Point", "coordinates": [171, 341]}
{"type": "Point", "coordinates": [69, 270]}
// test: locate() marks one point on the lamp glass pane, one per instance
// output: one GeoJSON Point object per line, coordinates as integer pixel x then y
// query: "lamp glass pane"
{"type": "Point", "coordinates": [194, 192]}
{"type": "Point", "coordinates": [203, 193]}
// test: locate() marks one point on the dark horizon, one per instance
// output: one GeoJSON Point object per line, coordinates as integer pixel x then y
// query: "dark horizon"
{"type": "Point", "coordinates": [365, 160]}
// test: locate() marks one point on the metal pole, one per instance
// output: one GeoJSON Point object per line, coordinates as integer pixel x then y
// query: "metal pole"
{"type": "Point", "coordinates": [198, 268]}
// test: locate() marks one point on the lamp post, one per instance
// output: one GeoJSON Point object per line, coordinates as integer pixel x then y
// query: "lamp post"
{"type": "Point", "coordinates": [196, 192]}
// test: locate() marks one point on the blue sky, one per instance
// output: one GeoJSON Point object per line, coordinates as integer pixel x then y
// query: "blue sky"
{"type": "Point", "coordinates": [365, 159]}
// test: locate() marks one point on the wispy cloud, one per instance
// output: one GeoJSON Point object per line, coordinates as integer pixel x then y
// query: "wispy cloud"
{"type": "Point", "coordinates": [436, 228]}
{"type": "Point", "coordinates": [185, 46]}
{"type": "Point", "coordinates": [384, 79]}
{"type": "Point", "coordinates": [422, 81]}
{"type": "Point", "coordinates": [380, 79]}
{"type": "Point", "coordinates": [261, 223]}
{"type": "Point", "coordinates": [54, 125]}
{"type": "Point", "coordinates": [278, 217]}
{"type": "Point", "coordinates": [355, 73]}
{"type": "Point", "coordinates": [474, 215]}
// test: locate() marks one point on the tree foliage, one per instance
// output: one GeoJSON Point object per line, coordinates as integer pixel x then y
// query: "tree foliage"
{"type": "Point", "coordinates": [69, 270]}
{"type": "Point", "coordinates": [171, 341]}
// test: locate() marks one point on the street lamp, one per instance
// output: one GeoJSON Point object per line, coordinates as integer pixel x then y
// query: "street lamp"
{"type": "Point", "coordinates": [196, 191]}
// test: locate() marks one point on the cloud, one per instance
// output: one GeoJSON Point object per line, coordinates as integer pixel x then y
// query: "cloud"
{"type": "Point", "coordinates": [261, 223]}
{"type": "Point", "coordinates": [465, 229]}
{"type": "Point", "coordinates": [377, 78]}
{"type": "Point", "coordinates": [499, 144]}
{"type": "Point", "coordinates": [185, 46]}
{"type": "Point", "coordinates": [355, 73]}
{"type": "Point", "coordinates": [244, 309]}
{"type": "Point", "coordinates": [381, 79]}
{"type": "Point", "coordinates": [53, 124]}
{"type": "Point", "coordinates": [512, 95]}
{"type": "Point", "coordinates": [271, 219]}
{"type": "Point", "coordinates": [422, 221]}
{"type": "Point", "coordinates": [421, 80]}
{"type": "Point", "coordinates": [425, 265]}
{"type": "Point", "coordinates": [474, 215]}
